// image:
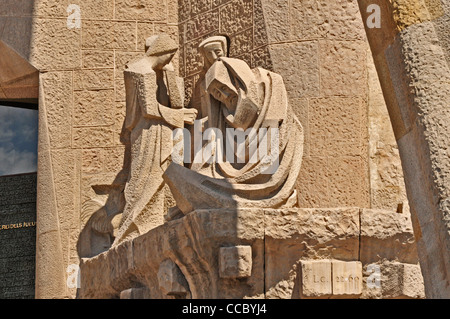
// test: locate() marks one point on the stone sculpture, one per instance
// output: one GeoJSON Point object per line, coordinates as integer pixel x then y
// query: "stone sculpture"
{"type": "Point", "coordinates": [252, 104]}
{"type": "Point", "coordinates": [154, 107]}
{"type": "Point", "coordinates": [237, 233]}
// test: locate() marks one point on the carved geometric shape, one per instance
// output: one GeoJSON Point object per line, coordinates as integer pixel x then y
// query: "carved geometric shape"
{"type": "Point", "coordinates": [235, 262]}
{"type": "Point", "coordinates": [171, 280]}
{"type": "Point", "coordinates": [315, 279]}
{"type": "Point", "coordinates": [347, 278]}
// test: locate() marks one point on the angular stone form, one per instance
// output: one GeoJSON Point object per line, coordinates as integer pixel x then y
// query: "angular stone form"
{"type": "Point", "coordinates": [347, 279]}
{"type": "Point", "coordinates": [235, 262]}
{"type": "Point", "coordinates": [193, 244]}
{"type": "Point", "coordinates": [171, 280]}
{"type": "Point", "coordinates": [387, 235]}
{"type": "Point", "coordinates": [316, 281]}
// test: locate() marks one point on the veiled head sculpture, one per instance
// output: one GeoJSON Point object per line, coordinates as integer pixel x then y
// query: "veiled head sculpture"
{"type": "Point", "coordinates": [252, 106]}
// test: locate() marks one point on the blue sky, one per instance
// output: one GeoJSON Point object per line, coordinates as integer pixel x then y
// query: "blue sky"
{"type": "Point", "coordinates": [18, 140]}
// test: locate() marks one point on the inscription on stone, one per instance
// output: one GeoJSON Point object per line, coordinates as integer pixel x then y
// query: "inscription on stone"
{"type": "Point", "coordinates": [17, 236]}
{"type": "Point", "coordinates": [347, 278]}
{"type": "Point", "coordinates": [316, 279]}
{"type": "Point", "coordinates": [331, 279]}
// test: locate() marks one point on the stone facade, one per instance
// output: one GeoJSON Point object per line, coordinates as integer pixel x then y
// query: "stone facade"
{"type": "Point", "coordinates": [351, 168]}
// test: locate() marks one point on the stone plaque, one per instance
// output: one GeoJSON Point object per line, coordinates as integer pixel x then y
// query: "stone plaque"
{"type": "Point", "coordinates": [316, 279]}
{"type": "Point", "coordinates": [347, 278]}
{"type": "Point", "coordinates": [17, 236]}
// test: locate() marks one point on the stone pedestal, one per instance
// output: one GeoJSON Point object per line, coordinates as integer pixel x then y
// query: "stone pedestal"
{"type": "Point", "coordinates": [256, 253]}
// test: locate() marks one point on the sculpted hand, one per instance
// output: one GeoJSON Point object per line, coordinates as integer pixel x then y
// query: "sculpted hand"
{"type": "Point", "coordinates": [189, 115]}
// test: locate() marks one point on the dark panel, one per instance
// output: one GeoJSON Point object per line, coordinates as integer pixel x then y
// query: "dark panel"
{"type": "Point", "coordinates": [17, 236]}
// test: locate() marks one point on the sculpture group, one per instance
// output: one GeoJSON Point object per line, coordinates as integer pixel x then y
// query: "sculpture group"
{"type": "Point", "coordinates": [236, 144]}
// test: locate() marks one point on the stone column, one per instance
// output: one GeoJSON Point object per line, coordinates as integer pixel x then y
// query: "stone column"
{"type": "Point", "coordinates": [410, 47]}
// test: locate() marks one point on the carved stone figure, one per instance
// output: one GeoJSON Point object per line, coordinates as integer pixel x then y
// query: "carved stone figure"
{"type": "Point", "coordinates": [264, 166]}
{"type": "Point", "coordinates": [154, 107]}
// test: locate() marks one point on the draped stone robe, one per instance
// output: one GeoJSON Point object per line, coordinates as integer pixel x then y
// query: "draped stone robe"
{"type": "Point", "coordinates": [222, 184]}
{"type": "Point", "coordinates": [151, 124]}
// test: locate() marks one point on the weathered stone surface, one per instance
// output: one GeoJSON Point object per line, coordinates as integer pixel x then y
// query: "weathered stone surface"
{"type": "Point", "coordinates": [154, 10]}
{"type": "Point", "coordinates": [99, 34]}
{"type": "Point", "coordinates": [301, 75]}
{"type": "Point", "coordinates": [94, 79]}
{"type": "Point", "coordinates": [235, 262]}
{"type": "Point", "coordinates": [56, 46]}
{"type": "Point", "coordinates": [89, 107]}
{"type": "Point", "coordinates": [284, 248]}
{"type": "Point", "coordinates": [140, 258]}
{"type": "Point", "coordinates": [236, 16]}
{"type": "Point", "coordinates": [342, 68]}
{"type": "Point", "coordinates": [390, 230]}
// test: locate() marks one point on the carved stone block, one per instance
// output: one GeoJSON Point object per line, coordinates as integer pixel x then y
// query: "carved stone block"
{"type": "Point", "coordinates": [235, 262]}
{"type": "Point", "coordinates": [315, 279]}
{"type": "Point", "coordinates": [347, 278]}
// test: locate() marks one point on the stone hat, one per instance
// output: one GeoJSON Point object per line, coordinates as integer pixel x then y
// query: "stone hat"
{"type": "Point", "coordinates": [219, 73]}
{"type": "Point", "coordinates": [219, 38]}
{"type": "Point", "coordinates": [159, 45]}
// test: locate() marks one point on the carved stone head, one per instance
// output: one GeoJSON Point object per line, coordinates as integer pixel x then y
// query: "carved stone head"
{"type": "Point", "coordinates": [213, 48]}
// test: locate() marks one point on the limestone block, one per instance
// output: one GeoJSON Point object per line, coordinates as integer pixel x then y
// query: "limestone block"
{"type": "Point", "coordinates": [273, 20]}
{"type": "Point", "coordinates": [347, 279]}
{"type": "Point", "coordinates": [56, 47]}
{"type": "Point", "coordinates": [235, 262]}
{"type": "Point", "coordinates": [193, 59]}
{"type": "Point", "coordinates": [84, 137]}
{"type": "Point", "coordinates": [313, 190]}
{"type": "Point", "coordinates": [97, 59]}
{"type": "Point", "coordinates": [316, 281]}
{"type": "Point", "coordinates": [94, 79]}
{"type": "Point", "coordinates": [184, 10]}
{"type": "Point", "coordinates": [109, 35]}
{"type": "Point", "coordinates": [342, 68]}
{"type": "Point", "coordinates": [300, 75]}
{"type": "Point", "coordinates": [340, 19]}
{"type": "Point", "coordinates": [261, 58]}
{"type": "Point", "coordinates": [387, 235]}
{"type": "Point", "coordinates": [241, 43]}
{"type": "Point", "coordinates": [154, 10]}
{"type": "Point", "coordinates": [299, 234]}
{"type": "Point", "coordinates": [200, 26]}
{"type": "Point", "coordinates": [336, 126]}
{"type": "Point", "coordinates": [93, 108]}
{"type": "Point", "coordinates": [348, 181]}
